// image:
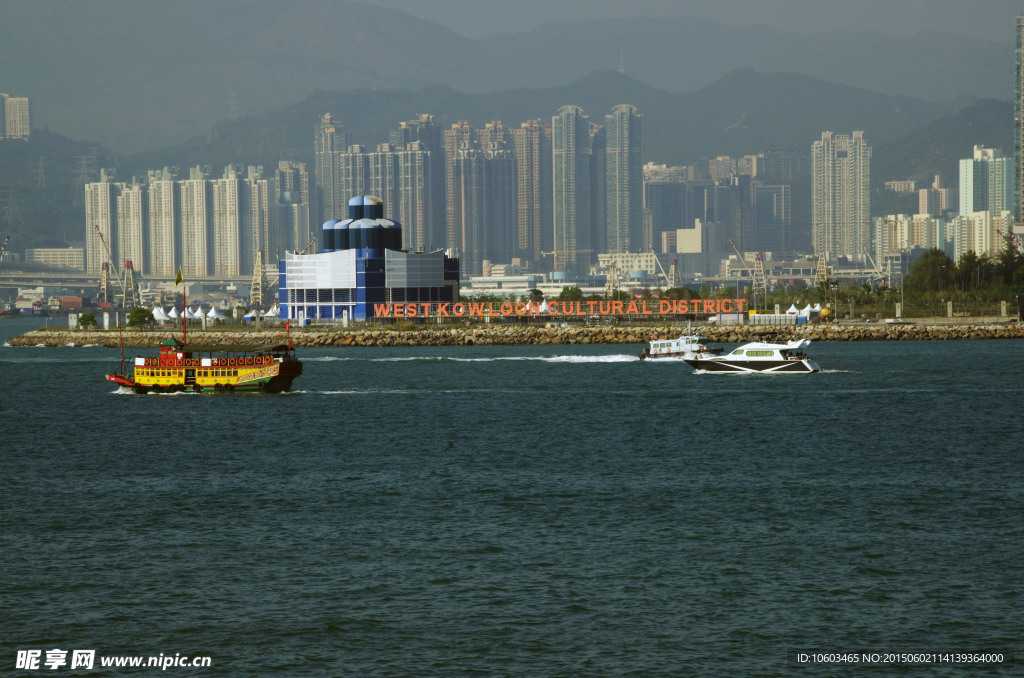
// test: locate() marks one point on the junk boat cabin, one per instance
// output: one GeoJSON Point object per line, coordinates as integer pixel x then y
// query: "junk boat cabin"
{"type": "Point", "coordinates": [213, 369]}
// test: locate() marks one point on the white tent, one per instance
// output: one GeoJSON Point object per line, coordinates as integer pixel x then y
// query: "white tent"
{"type": "Point", "coordinates": [817, 308]}
{"type": "Point", "coordinates": [251, 315]}
{"type": "Point", "coordinates": [807, 311]}
{"type": "Point", "coordinates": [793, 310]}
{"type": "Point", "coordinates": [173, 314]}
{"type": "Point", "coordinates": [274, 312]}
{"type": "Point", "coordinates": [159, 314]}
{"type": "Point", "coordinates": [192, 315]}
{"type": "Point", "coordinates": [215, 314]}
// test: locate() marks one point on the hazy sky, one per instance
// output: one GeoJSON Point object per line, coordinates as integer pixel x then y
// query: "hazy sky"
{"type": "Point", "coordinates": [478, 18]}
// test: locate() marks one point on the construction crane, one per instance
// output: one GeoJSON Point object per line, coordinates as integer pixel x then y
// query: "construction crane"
{"type": "Point", "coordinates": [760, 279]}
{"type": "Point", "coordinates": [555, 253]}
{"type": "Point", "coordinates": [823, 272]}
{"type": "Point", "coordinates": [878, 272]}
{"type": "Point", "coordinates": [669, 282]}
{"type": "Point", "coordinates": [113, 266]}
{"type": "Point", "coordinates": [613, 276]}
{"type": "Point", "coordinates": [311, 243]}
{"type": "Point", "coordinates": [259, 281]}
{"type": "Point", "coordinates": [3, 247]}
{"type": "Point", "coordinates": [131, 285]}
{"type": "Point", "coordinates": [742, 260]}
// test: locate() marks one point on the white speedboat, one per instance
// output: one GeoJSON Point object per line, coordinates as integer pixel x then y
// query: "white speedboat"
{"type": "Point", "coordinates": [688, 346]}
{"type": "Point", "coordinates": [760, 356]}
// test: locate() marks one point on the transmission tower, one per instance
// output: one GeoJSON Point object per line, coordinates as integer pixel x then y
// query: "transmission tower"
{"type": "Point", "coordinates": [84, 174]}
{"type": "Point", "coordinates": [232, 105]}
{"type": "Point", "coordinates": [40, 174]}
{"type": "Point", "coordinates": [12, 213]}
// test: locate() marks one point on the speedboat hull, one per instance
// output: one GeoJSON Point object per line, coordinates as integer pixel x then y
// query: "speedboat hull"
{"type": "Point", "coordinates": [747, 366]}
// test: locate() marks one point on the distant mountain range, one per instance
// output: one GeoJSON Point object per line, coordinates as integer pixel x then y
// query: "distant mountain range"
{"type": "Point", "coordinates": [151, 78]}
{"type": "Point", "coordinates": [744, 112]}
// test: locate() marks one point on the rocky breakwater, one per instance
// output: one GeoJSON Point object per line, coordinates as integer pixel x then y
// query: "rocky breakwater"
{"type": "Point", "coordinates": [531, 334]}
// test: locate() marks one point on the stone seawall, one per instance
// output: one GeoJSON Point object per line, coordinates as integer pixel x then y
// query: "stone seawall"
{"type": "Point", "coordinates": [531, 334]}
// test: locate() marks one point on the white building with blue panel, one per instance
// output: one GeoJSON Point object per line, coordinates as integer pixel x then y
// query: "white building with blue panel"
{"type": "Point", "coordinates": [362, 263]}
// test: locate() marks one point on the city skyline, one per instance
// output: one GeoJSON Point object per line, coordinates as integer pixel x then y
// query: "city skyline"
{"type": "Point", "coordinates": [596, 200]}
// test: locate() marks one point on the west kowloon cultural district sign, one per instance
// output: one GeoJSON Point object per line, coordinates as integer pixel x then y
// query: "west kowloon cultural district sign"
{"type": "Point", "coordinates": [470, 309]}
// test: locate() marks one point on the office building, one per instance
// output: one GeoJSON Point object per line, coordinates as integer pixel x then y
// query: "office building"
{"type": "Point", "coordinates": [986, 182]}
{"type": "Point", "coordinates": [937, 200]}
{"type": "Point", "coordinates": [132, 219]}
{"type": "Point", "coordinates": [196, 223]}
{"type": "Point", "coordinates": [416, 195]}
{"type": "Point", "coordinates": [427, 171]}
{"type": "Point", "coordinates": [534, 228]}
{"type": "Point", "coordinates": [772, 217]}
{"type": "Point", "coordinates": [841, 195]}
{"type": "Point", "coordinates": [57, 257]}
{"type": "Point", "coordinates": [570, 151]}
{"type": "Point", "coordinates": [291, 223]}
{"type": "Point", "coordinates": [164, 216]}
{"type": "Point", "coordinates": [330, 142]}
{"type": "Point", "coordinates": [101, 219]}
{"type": "Point", "coordinates": [624, 180]}
{"type": "Point", "coordinates": [15, 122]}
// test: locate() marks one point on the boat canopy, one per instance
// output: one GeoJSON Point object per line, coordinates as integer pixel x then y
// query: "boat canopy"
{"type": "Point", "coordinates": [232, 348]}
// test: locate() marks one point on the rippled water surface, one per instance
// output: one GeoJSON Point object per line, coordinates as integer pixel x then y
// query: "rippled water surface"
{"type": "Point", "coordinates": [519, 511]}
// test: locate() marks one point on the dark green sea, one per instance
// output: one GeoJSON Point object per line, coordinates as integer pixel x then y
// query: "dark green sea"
{"type": "Point", "coordinates": [518, 511]}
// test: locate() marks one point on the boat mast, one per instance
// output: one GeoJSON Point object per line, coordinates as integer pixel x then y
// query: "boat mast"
{"type": "Point", "coordinates": [184, 308]}
{"type": "Point", "coordinates": [120, 337]}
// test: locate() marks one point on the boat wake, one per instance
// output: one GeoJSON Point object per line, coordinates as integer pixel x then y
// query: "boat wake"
{"type": "Point", "coordinates": [554, 359]}
{"type": "Point", "coordinates": [620, 358]}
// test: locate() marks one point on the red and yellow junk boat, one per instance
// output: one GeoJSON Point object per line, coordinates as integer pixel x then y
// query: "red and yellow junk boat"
{"type": "Point", "coordinates": [213, 369]}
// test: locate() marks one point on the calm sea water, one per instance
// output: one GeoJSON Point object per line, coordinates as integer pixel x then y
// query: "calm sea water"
{"type": "Point", "coordinates": [518, 511]}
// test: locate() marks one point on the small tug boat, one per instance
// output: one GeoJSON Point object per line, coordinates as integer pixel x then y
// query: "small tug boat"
{"type": "Point", "coordinates": [212, 369]}
{"type": "Point", "coordinates": [689, 346]}
{"type": "Point", "coordinates": [760, 356]}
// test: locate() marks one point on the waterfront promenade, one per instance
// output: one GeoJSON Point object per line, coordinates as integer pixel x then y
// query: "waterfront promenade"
{"type": "Point", "coordinates": [549, 333]}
